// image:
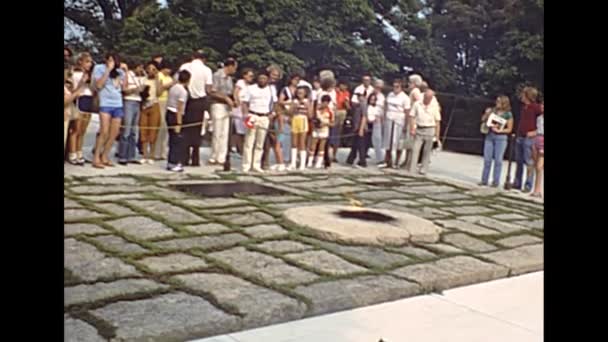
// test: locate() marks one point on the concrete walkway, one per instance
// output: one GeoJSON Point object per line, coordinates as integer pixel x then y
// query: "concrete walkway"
{"type": "Point", "coordinates": [503, 310]}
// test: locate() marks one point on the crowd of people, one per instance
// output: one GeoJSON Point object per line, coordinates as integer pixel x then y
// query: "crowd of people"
{"type": "Point", "coordinates": [158, 112]}
{"type": "Point", "coordinates": [497, 126]}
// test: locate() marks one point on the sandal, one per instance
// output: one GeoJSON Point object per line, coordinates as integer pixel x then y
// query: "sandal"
{"type": "Point", "coordinates": [109, 163]}
{"type": "Point", "coordinates": [98, 166]}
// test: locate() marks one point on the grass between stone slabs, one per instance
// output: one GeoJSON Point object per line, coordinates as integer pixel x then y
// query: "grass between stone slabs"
{"type": "Point", "coordinates": [70, 278]}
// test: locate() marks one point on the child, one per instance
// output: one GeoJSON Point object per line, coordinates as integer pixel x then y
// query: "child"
{"type": "Point", "coordinates": [538, 151]}
{"type": "Point", "coordinates": [176, 104]}
{"type": "Point", "coordinates": [300, 112]}
{"type": "Point", "coordinates": [324, 118]}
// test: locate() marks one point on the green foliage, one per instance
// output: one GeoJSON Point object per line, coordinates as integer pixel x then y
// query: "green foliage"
{"type": "Point", "coordinates": [477, 47]}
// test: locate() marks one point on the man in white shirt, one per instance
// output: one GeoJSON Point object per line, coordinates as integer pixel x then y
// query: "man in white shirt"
{"type": "Point", "coordinates": [398, 105]}
{"type": "Point", "coordinates": [258, 107]}
{"type": "Point", "coordinates": [364, 88]}
{"type": "Point", "coordinates": [415, 83]}
{"type": "Point", "coordinates": [272, 138]}
{"type": "Point", "coordinates": [201, 85]}
{"type": "Point", "coordinates": [425, 120]}
{"type": "Point", "coordinates": [376, 131]}
{"type": "Point", "coordinates": [220, 109]}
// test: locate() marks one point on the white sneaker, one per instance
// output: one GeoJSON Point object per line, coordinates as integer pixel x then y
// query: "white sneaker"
{"type": "Point", "coordinates": [142, 161]}
{"type": "Point", "coordinates": [258, 170]}
{"type": "Point", "coordinates": [274, 167]}
{"type": "Point", "coordinates": [176, 168]}
{"type": "Point", "coordinates": [150, 162]}
{"type": "Point", "coordinates": [281, 168]}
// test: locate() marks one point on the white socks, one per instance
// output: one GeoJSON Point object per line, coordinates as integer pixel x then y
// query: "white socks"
{"type": "Point", "coordinates": [302, 160]}
{"type": "Point", "coordinates": [294, 158]}
{"type": "Point", "coordinates": [319, 164]}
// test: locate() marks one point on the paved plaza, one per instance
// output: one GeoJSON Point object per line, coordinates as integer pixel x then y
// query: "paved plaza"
{"type": "Point", "coordinates": [145, 262]}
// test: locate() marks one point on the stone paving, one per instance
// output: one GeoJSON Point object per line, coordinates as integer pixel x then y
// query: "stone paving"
{"type": "Point", "coordinates": [144, 262]}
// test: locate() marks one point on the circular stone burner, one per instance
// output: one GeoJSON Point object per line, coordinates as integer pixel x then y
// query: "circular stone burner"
{"type": "Point", "coordinates": [363, 226]}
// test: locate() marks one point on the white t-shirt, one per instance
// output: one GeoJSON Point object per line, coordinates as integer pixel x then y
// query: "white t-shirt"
{"type": "Point", "coordinates": [201, 76]}
{"type": "Point", "coordinates": [334, 102]}
{"type": "Point", "coordinates": [134, 82]}
{"type": "Point", "coordinates": [373, 112]}
{"type": "Point", "coordinates": [426, 116]}
{"type": "Point", "coordinates": [76, 77]}
{"type": "Point", "coordinates": [243, 86]}
{"type": "Point", "coordinates": [361, 90]}
{"type": "Point", "coordinates": [260, 99]}
{"type": "Point", "coordinates": [415, 96]}
{"type": "Point", "coordinates": [381, 101]}
{"type": "Point", "coordinates": [396, 105]}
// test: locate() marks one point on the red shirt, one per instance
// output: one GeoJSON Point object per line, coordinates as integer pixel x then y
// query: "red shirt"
{"type": "Point", "coordinates": [341, 96]}
{"type": "Point", "coordinates": [528, 118]}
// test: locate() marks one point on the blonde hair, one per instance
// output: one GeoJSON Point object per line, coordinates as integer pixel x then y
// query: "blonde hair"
{"type": "Point", "coordinates": [505, 103]}
{"type": "Point", "coordinates": [530, 93]}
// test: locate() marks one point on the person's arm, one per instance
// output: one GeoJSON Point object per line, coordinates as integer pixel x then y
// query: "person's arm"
{"type": "Point", "coordinates": [70, 97]}
{"type": "Point", "coordinates": [412, 118]}
{"type": "Point", "coordinates": [486, 114]}
{"type": "Point", "coordinates": [100, 81]}
{"type": "Point", "coordinates": [180, 113]}
{"type": "Point", "coordinates": [362, 125]}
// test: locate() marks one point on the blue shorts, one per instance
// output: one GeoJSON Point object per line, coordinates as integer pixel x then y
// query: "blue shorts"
{"type": "Point", "coordinates": [115, 112]}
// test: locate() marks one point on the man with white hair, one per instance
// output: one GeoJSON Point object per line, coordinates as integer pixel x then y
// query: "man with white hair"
{"type": "Point", "coordinates": [425, 120]}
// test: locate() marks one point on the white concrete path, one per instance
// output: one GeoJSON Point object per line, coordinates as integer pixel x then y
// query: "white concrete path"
{"type": "Point", "coordinates": [506, 310]}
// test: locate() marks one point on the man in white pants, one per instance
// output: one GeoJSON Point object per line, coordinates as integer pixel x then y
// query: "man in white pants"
{"type": "Point", "coordinates": [257, 106]}
{"type": "Point", "coordinates": [425, 120]}
{"type": "Point", "coordinates": [220, 110]}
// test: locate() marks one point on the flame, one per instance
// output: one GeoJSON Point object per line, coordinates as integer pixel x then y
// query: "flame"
{"type": "Point", "coordinates": [353, 201]}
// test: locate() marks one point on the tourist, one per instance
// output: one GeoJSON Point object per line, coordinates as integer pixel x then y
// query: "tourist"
{"type": "Point", "coordinates": [375, 139]}
{"type": "Point", "coordinates": [149, 120]}
{"type": "Point", "coordinates": [136, 82]}
{"type": "Point", "coordinates": [328, 87]}
{"type": "Point", "coordinates": [359, 121]}
{"type": "Point", "coordinates": [525, 138]}
{"type": "Point", "coordinates": [176, 106]}
{"type": "Point", "coordinates": [85, 104]}
{"type": "Point", "coordinates": [300, 111]}
{"type": "Point", "coordinates": [375, 113]}
{"type": "Point", "coordinates": [201, 84]}
{"type": "Point", "coordinates": [425, 121]}
{"type": "Point", "coordinates": [415, 82]}
{"type": "Point", "coordinates": [286, 98]}
{"type": "Point", "coordinates": [70, 94]}
{"type": "Point", "coordinates": [495, 142]}
{"type": "Point", "coordinates": [539, 151]}
{"type": "Point", "coordinates": [240, 93]}
{"type": "Point", "coordinates": [166, 82]}
{"type": "Point", "coordinates": [324, 118]}
{"type": "Point", "coordinates": [398, 105]}
{"type": "Point", "coordinates": [221, 107]}
{"type": "Point", "coordinates": [275, 131]}
{"type": "Point", "coordinates": [365, 88]}
{"type": "Point", "coordinates": [259, 104]}
{"type": "Point", "coordinates": [342, 108]}
{"type": "Point", "coordinates": [110, 80]}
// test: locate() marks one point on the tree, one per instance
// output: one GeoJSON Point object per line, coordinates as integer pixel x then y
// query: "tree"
{"type": "Point", "coordinates": [103, 19]}
{"type": "Point", "coordinates": [156, 30]}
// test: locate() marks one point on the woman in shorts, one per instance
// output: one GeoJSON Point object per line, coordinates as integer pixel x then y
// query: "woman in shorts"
{"type": "Point", "coordinates": [110, 81]}
{"type": "Point", "coordinates": [85, 101]}
{"type": "Point", "coordinates": [301, 111]}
